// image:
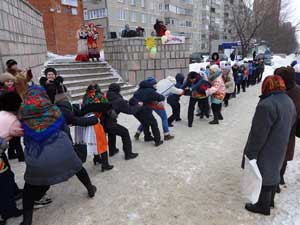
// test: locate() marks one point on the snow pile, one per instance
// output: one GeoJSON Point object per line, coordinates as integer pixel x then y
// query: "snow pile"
{"type": "Point", "coordinates": [51, 55]}
{"type": "Point", "coordinates": [196, 67]}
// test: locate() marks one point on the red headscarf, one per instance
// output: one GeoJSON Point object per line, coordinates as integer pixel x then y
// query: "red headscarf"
{"type": "Point", "coordinates": [273, 83]}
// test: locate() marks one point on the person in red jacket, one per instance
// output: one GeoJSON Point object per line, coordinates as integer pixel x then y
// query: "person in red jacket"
{"type": "Point", "coordinates": [215, 59]}
{"type": "Point", "coordinates": [160, 28]}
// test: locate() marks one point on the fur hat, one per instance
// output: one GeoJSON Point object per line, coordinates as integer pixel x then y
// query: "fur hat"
{"type": "Point", "coordinates": [288, 75]}
{"type": "Point", "coordinates": [6, 77]}
{"type": "Point", "coordinates": [50, 69]}
{"type": "Point", "coordinates": [10, 63]}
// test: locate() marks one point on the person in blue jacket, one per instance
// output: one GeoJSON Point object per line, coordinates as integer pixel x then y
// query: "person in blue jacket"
{"type": "Point", "coordinates": [250, 77]}
{"type": "Point", "coordinates": [173, 101]}
{"type": "Point", "coordinates": [147, 95]}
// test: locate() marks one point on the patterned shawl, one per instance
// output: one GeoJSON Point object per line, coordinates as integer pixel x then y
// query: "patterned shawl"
{"type": "Point", "coordinates": [39, 117]}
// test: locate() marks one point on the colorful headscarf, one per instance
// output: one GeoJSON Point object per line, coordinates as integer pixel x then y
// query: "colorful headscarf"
{"type": "Point", "coordinates": [39, 117]}
{"type": "Point", "coordinates": [273, 84]}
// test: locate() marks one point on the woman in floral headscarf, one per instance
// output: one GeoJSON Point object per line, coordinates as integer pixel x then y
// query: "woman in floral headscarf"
{"type": "Point", "coordinates": [95, 136]}
{"type": "Point", "coordinates": [268, 139]}
{"type": "Point", "coordinates": [49, 154]}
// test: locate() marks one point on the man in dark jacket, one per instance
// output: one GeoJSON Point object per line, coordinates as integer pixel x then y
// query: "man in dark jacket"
{"type": "Point", "coordinates": [147, 94]}
{"type": "Point", "coordinates": [293, 91]}
{"type": "Point", "coordinates": [268, 139]}
{"type": "Point", "coordinates": [192, 79]}
{"type": "Point", "coordinates": [173, 101]}
{"type": "Point", "coordinates": [111, 126]}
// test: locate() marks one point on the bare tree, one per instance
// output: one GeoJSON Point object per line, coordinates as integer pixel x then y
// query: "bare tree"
{"type": "Point", "coordinates": [248, 17]}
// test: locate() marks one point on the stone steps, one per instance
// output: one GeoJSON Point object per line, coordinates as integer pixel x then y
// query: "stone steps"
{"type": "Point", "coordinates": [77, 77]}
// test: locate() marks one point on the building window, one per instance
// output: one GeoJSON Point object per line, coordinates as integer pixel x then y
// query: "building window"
{"type": "Point", "coordinates": [132, 2]}
{"type": "Point", "coordinates": [95, 14]}
{"type": "Point", "coordinates": [143, 18]}
{"type": "Point", "coordinates": [143, 3]}
{"type": "Point", "coordinates": [161, 7]}
{"type": "Point", "coordinates": [122, 1]}
{"type": "Point", "coordinates": [213, 10]}
{"type": "Point", "coordinates": [121, 14]}
{"type": "Point", "coordinates": [133, 17]}
{"type": "Point", "coordinates": [189, 23]}
{"type": "Point", "coordinates": [70, 2]}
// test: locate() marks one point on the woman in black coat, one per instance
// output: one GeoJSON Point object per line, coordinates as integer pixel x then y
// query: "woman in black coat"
{"type": "Point", "coordinates": [268, 139]}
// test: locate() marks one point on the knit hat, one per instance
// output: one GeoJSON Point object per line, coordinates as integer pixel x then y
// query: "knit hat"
{"type": "Point", "coordinates": [114, 87]}
{"type": "Point", "coordinates": [193, 75]}
{"type": "Point", "coordinates": [225, 66]}
{"type": "Point", "coordinates": [215, 71]}
{"type": "Point", "coordinates": [6, 77]}
{"type": "Point", "coordinates": [50, 69]}
{"type": "Point", "coordinates": [10, 63]}
{"type": "Point", "coordinates": [151, 80]}
{"type": "Point", "coordinates": [273, 84]}
{"type": "Point", "coordinates": [288, 75]}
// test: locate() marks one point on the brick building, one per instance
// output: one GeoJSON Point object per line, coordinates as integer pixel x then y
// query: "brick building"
{"type": "Point", "coordinates": [61, 18]}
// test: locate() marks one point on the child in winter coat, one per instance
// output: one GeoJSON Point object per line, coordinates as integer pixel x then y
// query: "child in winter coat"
{"type": "Point", "coordinates": [240, 78]}
{"type": "Point", "coordinates": [165, 87]}
{"type": "Point", "coordinates": [148, 95]}
{"type": "Point", "coordinates": [52, 83]}
{"type": "Point", "coordinates": [9, 127]}
{"type": "Point", "coordinates": [215, 59]}
{"type": "Point", "coordinates": [174, 101]}
{"type": "Point", "coordinates": [15, 149]}
{"type": "Point", "coordinates": [217, 91]}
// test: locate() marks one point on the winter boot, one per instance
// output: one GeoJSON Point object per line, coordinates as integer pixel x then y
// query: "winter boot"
{"type": "Point", "coordinates": [179, 119]}
{"type": "Point", "coordinates": [168, 137]}
{"type": "Point", "coordinates": [170, 125]}
{"type": "Point", "coordinates": [105, 164]}
{"type": "Point", "coordinates": [263, 205]}
{"type": "Point", "coordinates": [214, 122]}
{"type": "Point", "coordinates": [137, 136]}
{"type": "Point", "coordinates": [92, 190]}
{"type": "Point", "coordinates": [113, 152]}
{"type": "Point", "coordinates": [201, 116]}
{"type": "Point", "coordinates": [27, 217]}
{"type": "Point", "coordinates": [97, 160]}
{"type": "Point", "coordinates": [15, 213]}
{"type": "Point", "coordinates": [149, 139]}
{"type": "Point", "coordinates": [207, 115]}
{"type": "Point", "coordinates": [221, 117]}
{"type": "Point", "coordinates": [131, 156]}
{"type": "Point", "coordinates": [2, 222]}
{"type": "Point", "coordinates": [158, 143]}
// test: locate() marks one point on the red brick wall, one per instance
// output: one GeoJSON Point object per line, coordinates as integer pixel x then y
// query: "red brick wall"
{"type": "Point", "coordinates": [60, 28]}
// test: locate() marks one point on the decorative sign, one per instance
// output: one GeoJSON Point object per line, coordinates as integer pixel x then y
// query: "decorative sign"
{"type": "Point", "coordinates": [175, 40]}
{"type": "Point", "coordinates": [70, 2]}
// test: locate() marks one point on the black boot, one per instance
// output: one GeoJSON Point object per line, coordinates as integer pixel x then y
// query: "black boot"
{"type": "Point", "coordinates": [168, 137]}
{"type": "Point", "coordinates": [15, 213]}
{"type": "Point", "coordinates": [158, 143]}
{"type": "Point", "coordinates": [131, 156]}
{"type": "Point", "coordinates": [137, 136]}
{"type": "Point", "coordinates": [149, 139]}
{"type": "Point", "coordinates": [221, 117]}
{"type": "Point", "coordinates": [214, 122]}
{"type": "Point", "coordinates": [105, 164]}
{"type": "Point", "coordinates": [263, 205]}
{"type": "Point", "coordinates": [2, 222]}
{"type": "Point", "coordinates": [27, 217]}
{"type": "Point", "coordinates": [97, 160]}
{"type": "Point", "coordinates": [91, 191]}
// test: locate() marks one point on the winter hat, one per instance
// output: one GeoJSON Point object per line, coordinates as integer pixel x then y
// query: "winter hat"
{"type": "Point", "coordinates": [10, 101]}
{"type": "Point", "coordinates": [213, 56]}
{"type": "Point", "coordinates": [50, 69]}
{"type": "Point", "coordinates": [193, 75]}
{"type": "Point", "coordinates": [179, 78]}
{"type": "Point", "coordinates": [215, 71]}
{"type": "Point", "coordinates": [288, 75]}
{"type": "Point", "coordinates": [273, 83]}
{"type": "Point", "coordinates": [297, 68]}
{"type": "Point", "coordinates": [225, 66]}
{"type": "Point", "coordinates": [294, 63]}
{"type": "Point", "coordinates": [151, 80]}
{"type": "Point", "coordinates": [114, 87]}
{"type": "Point", "coordinates": [6, 77]}
{"type": "Point", "coordinates": [10, 63]}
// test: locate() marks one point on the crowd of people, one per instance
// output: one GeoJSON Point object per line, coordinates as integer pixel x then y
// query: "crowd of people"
{"type": "Point", "coordinates": [87, 37]}
{"type": "Point", "coordinates": [42, 114]}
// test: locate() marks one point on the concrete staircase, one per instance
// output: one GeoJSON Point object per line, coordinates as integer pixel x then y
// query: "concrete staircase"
{"type": "Point", "coordinates": [77, 76]}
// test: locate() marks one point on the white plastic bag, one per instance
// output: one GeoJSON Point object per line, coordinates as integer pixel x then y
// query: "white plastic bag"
{"type": "Point", "coordinates": [251, 181]}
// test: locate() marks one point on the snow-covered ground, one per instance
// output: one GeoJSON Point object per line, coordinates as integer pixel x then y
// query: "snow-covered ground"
{"type": "Point", "coordinates": [192, 180]}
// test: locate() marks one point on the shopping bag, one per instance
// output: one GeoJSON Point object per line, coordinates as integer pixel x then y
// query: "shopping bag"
{"type": "Point", "coordinates": [251, 181]}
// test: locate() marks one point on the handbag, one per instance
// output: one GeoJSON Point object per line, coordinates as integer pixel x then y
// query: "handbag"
{"type": "Point", "coordinates": [81, 151]}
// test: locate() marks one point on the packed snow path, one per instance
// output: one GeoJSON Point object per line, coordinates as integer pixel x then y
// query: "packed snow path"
{"type": "Point", "coordinates": [192, 180]}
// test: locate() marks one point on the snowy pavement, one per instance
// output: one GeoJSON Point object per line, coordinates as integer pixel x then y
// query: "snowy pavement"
{"type": "Point", "coordinates": [192, 180]}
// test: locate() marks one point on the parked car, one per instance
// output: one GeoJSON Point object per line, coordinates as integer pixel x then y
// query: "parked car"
{"type": "Point", "coordinates": [196, 57]}
{"type": "Point", "coordinates": [266, 57]}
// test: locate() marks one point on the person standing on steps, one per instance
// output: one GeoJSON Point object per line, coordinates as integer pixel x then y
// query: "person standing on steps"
{"type": "Point", "coordinates": [92, 38]}
{"type": "Point", "coordinates": [111, 126]}
{"type": "Point", "coordinates": [47, 145]}
{"type": "Point", "coordinates": [293, 91]}
{"type": "Point", "coordinates": [174, 101]}
{"type": "Point", "coordinates": [159, 106]}
{"type": "Point", "coordinates": [95, 136]}
{"type": "Point", "coordinates": [217, 93]}
{"type": "Point", "coordinates": [147, 95]}
{"type": "Point", "coordinates": [268, 139]}
{"type": "Point", "coordinates": [82, 49]}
